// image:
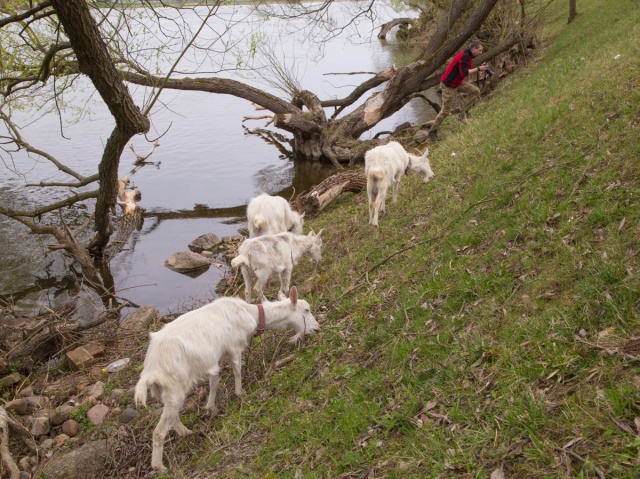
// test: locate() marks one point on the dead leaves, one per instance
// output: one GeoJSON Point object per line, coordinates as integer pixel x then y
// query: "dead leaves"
{"type": "Point", "coordinates": [612, 344]}
{"type": "Point", "coordinates": [547, 295]}
{"type": "Point", "coordinates": [553, 220]}
{"type": "Point", "coordinates": [424, 416]}
{"type": "Point", "coordinates": [632, 346]}
{"type": "Point", "coordinates": [566, 462]}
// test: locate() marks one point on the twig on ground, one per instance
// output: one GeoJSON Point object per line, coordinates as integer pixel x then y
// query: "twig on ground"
{"type": "Point", "coordinates": [272, 366]}
{"type": "Point", "coordinates": [612, 350]}
{"type": "Point", "coordinates": [624, 427]}
{"type": "Point", "coordinates": [581, 459]}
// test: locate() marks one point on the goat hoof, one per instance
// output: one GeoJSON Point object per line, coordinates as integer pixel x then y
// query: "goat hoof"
{"type": "Point", "coordinates": [160, 469]}
{"type": "Point", "coordinates": [212, 410]}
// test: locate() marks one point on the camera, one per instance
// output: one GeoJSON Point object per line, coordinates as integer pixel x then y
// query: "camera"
{"type": "Point", "coordinates": [489, 71]}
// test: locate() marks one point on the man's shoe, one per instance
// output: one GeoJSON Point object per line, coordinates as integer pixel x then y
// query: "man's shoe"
{"type": "Point", "coordinates": [433, 135]}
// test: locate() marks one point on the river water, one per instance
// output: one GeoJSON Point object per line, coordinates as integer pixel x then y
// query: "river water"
{"type": "Point", "coordinates": [206, 168]}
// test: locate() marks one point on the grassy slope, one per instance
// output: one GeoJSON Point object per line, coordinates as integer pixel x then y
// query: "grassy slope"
{"type": "Point", "coordinates": [470, 331]}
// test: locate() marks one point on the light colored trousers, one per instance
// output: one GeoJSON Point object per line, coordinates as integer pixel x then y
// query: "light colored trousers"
{"type": "Point", "coordinates": [448, 94]}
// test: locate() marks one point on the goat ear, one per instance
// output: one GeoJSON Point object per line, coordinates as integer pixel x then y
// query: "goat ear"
{"type": "Point", "coordinates": [293, 295]}
{"type": "Point", "coordinates": [319, 233]}
{"type": "Point", "coordinates": [426, 153]}
{"type": "Point", "coordinates": [302, 215]}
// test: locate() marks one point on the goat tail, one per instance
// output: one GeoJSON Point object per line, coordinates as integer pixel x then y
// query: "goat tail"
{"type": "Point", "coordinates": [147, 381]}
{"type": "Point", "coordinates": [376, 173]}
{"type": "Point", "coordinates": [140, 396]}
{"type": "Point", "coordinates": [239, 261]}
{"type": "Point", "coordinates": [259, 223]}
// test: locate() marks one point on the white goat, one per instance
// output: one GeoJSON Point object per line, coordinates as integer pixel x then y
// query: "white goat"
{"type": "Point", "coordinates": [420, 164]}
{"type": "Point", "coordinates": [271, 215]}
{"type": "Point", "coordinates": [263, 256]}
{"type": "Point", "coordinates": [383, 166]}
{"type": "Point", "coordinates": [190, 348]}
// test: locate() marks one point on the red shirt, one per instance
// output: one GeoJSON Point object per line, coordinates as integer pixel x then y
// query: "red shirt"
{"type": "Point", "coordinates": [458, 69]}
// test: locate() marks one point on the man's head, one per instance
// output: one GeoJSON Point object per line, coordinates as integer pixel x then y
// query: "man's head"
{"type": "Point", "coordinates": [476, 48]}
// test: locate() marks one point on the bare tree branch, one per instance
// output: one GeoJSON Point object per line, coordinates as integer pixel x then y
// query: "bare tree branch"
{"type": "Point", "coordinates": [24, 15]}
{"type": "Point", "coordinates": [140, 158]}
{"type": "Point", "coordinates": [36, 212]}
{"type": "Point", "coordinates": [21, 143]}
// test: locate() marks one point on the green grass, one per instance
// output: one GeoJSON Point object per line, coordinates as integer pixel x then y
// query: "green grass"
{"type": "Point", "coordinates": [482, 324]}
{"type": "Point", "coordinates": [79, 414]}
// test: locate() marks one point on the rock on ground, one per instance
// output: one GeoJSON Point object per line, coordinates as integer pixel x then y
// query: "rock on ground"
{"type": "Point", "coordinates": [187, 261]}
{"type": "Point", "coordinates": [87, 461]}
{"type": "Point", "coordinates": [98, 413]}
{"type": "Point", "coordinates": [140, 319]}
{"type": "Point", "coordinates": [208, 242]}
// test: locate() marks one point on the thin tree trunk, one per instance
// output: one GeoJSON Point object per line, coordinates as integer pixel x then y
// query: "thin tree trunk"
{"type": "Point", "coordinates": [108, 171]}
{"type": "Point", "coordinates": [95, 62]}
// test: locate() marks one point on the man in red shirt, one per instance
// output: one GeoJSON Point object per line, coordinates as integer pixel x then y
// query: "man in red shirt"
{"type": "Point", "coordinates": [452, 81]}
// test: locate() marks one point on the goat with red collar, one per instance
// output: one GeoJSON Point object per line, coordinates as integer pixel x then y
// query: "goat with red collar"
{"type": "Point", "coordinates": [190, 348]}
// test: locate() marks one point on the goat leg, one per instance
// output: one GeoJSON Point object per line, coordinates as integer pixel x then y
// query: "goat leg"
{"type": "Point", "coordinates": [236, 365]}
{"type": "Point", "coordinates": [214, 381]}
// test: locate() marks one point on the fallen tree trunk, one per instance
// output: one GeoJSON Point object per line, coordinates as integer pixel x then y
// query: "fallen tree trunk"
{"type": "Point", "coordinates": [389, 25]}
{"type": "Point", "coordinates": [323, 194]}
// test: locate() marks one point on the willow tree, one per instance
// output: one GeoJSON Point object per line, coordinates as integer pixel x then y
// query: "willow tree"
{"type": "Point", "coordinates": [46, 46]}
{"type": "Point", "coordinates": [303, 114]}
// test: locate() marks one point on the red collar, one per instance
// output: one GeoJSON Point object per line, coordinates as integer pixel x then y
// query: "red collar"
{"type": "Point", "coordinates": [260, 320]}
